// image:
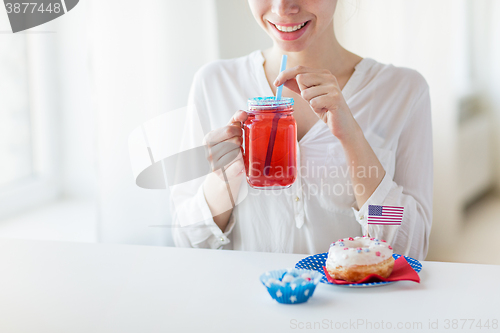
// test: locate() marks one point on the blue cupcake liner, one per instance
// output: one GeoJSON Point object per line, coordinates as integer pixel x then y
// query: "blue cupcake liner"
{"type": "Point", "coordinates": [290, 293]}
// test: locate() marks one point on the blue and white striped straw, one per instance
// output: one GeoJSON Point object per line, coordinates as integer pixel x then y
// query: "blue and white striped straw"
{"type": "Point", "coordinates": [283, 67]}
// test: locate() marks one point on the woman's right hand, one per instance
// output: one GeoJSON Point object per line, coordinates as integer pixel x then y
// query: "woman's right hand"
{"type": "Point", "coordinates": [224, 147]}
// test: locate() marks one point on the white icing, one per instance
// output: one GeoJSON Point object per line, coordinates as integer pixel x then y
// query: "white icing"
{"type": "Point", "coordinates": [338, 256]}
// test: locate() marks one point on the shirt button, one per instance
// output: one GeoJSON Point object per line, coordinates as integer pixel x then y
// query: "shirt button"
{"type": "Point", "coordinates": [361, 217]}
{"type": "Point", "coordinates": [297, 198]}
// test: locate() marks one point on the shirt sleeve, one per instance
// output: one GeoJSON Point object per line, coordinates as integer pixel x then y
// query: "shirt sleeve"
{"type": "Point", "coordinates": [193, 223]}
{"type": "Point", "coordinates": [411, 186]}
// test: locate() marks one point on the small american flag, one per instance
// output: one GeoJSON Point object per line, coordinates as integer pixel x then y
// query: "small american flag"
{"type": "Point", "coordinates": [386, 215]}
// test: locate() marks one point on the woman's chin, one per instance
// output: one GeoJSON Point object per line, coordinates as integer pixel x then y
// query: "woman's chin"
{"type": "Point", "coordinates": [290, 46]}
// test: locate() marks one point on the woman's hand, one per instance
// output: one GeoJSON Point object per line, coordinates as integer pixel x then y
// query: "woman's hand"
{"type": "Point", "coordinates": [321, 90]}
{"type": "Point", "coordinates": [224, 153]}
{"type": "Point", "coordinates": [224, 147]}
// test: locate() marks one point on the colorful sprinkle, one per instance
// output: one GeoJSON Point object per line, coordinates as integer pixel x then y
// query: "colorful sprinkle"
{"type": "Point", "coordinates": [358, 248]}
{"type": "Point", "coordinates": [372, 238]}
{"type": "Point", "coordinates": [333, 244]}
{"type": "Point", "coordinates": [350, 238]}
{"type": "Point", "coordinates": [377, 254]}
{"type": "Point", "coordinates": [367, 250]}
{"type": "Point", "coordinates": [376, 240]}
{"type": "Point", "coordinates": [340, 240]}
{"type": "Point", "coordinates": [359, 251]}
{"type": "Point", "coordinates": [346, 248]}
{"type": "Point", "coordinates": [377, 243]}
{"type": "Point", "coordinates": [383, 240]}
{"type": "Point", "coordinates": [390, 247]}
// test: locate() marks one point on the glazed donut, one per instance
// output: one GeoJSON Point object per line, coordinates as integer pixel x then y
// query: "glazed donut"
{"type": "Point", "coordinates": [353, 259]}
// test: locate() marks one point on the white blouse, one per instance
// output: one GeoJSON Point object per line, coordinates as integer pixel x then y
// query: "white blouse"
{"type": "Point", "coordinates": [392, 106]}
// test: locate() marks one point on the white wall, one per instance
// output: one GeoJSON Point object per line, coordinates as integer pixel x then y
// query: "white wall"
{"type": "Point", "coordinates": [429, 36]}
{"type": "Point", "coordinates": [488, 65]}
{"type": "Point", "coordinates": [238, 32]}
{"type": "Point", "coordinates": [143, 59]}
{"type": "Point", "coordinates": [77, 119]}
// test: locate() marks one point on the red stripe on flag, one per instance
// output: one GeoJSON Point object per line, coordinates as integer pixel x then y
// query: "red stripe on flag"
{"type": "Point", "coordinates": [397, 222]}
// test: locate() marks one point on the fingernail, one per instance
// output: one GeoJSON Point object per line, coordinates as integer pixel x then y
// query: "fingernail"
{"type": "Point", "coordinates": [276, 82]}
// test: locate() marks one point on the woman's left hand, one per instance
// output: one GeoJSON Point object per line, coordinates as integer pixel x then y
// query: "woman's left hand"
{"type": "Point", "coordinates": [319, 87]}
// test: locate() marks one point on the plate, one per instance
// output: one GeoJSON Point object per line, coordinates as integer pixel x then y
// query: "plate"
{"type": "Point", "coordinates": [317, 261]}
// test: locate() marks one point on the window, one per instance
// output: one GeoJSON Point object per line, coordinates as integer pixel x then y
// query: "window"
{"type": "Point", "coordinates": [15, 128]}
{"type": "Point", "coordinates": [28, 118]}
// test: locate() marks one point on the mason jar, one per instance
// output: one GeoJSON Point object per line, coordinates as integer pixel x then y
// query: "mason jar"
{"type": "Point", "coordinates": [270, 136]}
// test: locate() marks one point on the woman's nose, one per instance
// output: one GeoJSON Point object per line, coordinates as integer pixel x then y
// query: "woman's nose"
{"type": "Point", "coordinates": [285, 7]}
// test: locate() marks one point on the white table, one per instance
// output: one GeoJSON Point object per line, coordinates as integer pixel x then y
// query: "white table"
{"type": "Point", "coordinates": [73, 287]}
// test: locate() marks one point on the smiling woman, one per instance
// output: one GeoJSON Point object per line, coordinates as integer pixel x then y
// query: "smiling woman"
{"type": "Point", "coordinates": [289, 20]}
{"type": "Point", "coordinates": [290, 28]}
{"type": "Point", "coordinates": [352, 113]}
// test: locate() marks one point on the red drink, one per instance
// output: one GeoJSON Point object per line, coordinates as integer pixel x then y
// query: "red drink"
{"type": "Point", "coordinates": [270, 143]}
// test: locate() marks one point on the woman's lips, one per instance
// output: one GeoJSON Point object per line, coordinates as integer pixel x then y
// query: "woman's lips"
{"type": "Point", "coordinates": [290, 35]}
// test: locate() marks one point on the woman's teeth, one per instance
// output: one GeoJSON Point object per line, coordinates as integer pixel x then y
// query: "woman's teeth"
{"type": "Point", "coordinates": [290, 29]}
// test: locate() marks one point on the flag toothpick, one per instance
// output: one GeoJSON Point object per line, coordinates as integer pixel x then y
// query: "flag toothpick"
{"type": "Point", "coordinates": [385, 215]}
